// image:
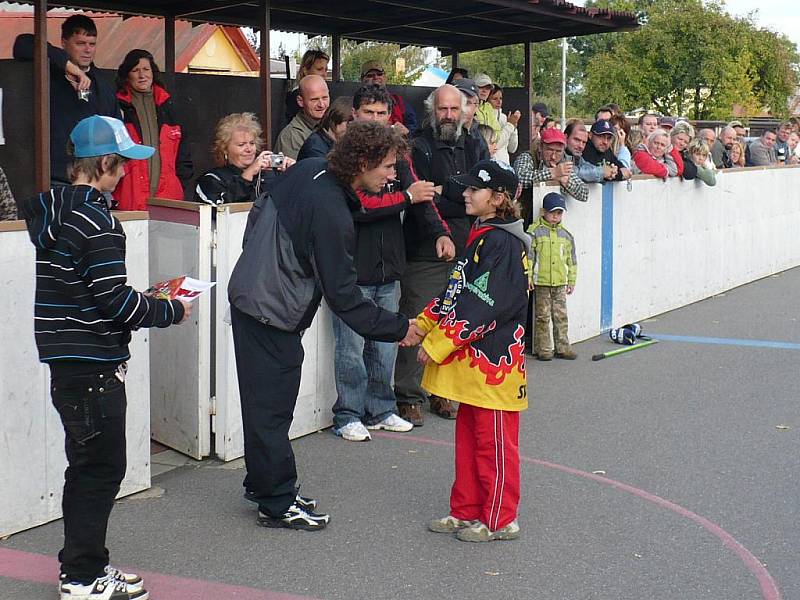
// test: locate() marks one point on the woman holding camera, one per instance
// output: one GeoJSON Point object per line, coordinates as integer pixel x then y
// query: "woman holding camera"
{"type": "Point", "coordinates": [244, 171]}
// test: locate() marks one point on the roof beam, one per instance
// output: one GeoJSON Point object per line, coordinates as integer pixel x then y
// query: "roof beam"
{"type": "Point", "coordinates": [533, 6]}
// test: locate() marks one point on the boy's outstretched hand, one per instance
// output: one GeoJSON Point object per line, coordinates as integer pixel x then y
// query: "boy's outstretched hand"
{"type": "Point", "coordinates": [414, 335]}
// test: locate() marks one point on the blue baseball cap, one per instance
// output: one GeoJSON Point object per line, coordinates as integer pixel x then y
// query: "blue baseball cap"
{"type": "Point", "coordinates": [554, 201]}
{"type": "Point", "coordinates": [98, 136]}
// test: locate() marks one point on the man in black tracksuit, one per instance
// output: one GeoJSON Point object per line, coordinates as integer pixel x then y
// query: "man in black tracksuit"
{"type": "Point", "coordinates": [441, 150]}
{"type": "Point", "coordinates": [363, 368]}
{"type": "Point", "coordinates": [71, 69]}
{"type": "Point", "coordinates": [298, 246]}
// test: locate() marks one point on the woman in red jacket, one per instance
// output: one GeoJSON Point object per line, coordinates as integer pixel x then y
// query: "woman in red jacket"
{"type": "Point", "coordinates": [654, 157]}
{"type": "Point", "coordinates": [149, 117]}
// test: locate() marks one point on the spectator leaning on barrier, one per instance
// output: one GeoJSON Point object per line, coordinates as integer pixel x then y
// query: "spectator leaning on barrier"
{"type": "Point", "coordinates": [599, 152]}
{"type": "Point", "coordinates": [313, 101]}
{"type": "Point", "coordinates": [794, 146]}
{"type": "Point", "coordinates": [622, 143]}
{"type": "Point", "coordinates": [332, 126]}
{"type": "Point", "coordinates": [782, 150]}
{"type": "Point", "coordinates": [680, 137]}
{"type": "Point", "coordinates": [77, 89]}
{"type": "Point", "coordinates": [298, 246]}
{"type": "Point", "coordinates": [555, 271]}
{"type": "Point", "coordinates": [550, 163]}
{"type": "Point", "coordinates": [84, 314]}
{"type": "Point", "coordinates": [150, 119]}
{"type": "Point", "coordinates": [244, 171]}
{"type": "Point", "coordinates": [403, 115]}
{"type": "Point", "coordinates": [363, 368]}
{"type": "Point", "coordinates": [654, 157]}
{"type": "Point", "coordinates": [314, 62]}
{"type": "Point", "coordinates": [737, 154]}
{"type": "Point", "coordinates": [486, 114]}
{"type": "Point", "coordinates": [701, 157]}
{"type": "Point", "coordinates": [508, 141]}
{"type": "Point", "coordinates": [761, 152]}
{"type": "Point", "coordinates": [577, 138]}
{"type": "Point", "coordinates": [720, 150]}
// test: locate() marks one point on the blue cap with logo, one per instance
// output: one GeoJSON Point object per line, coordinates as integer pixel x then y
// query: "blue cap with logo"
{"type": "Point", "coordinates": [602, 127]}
{"type": "Point", "coordinates": [554, 201]}
{"type": "Point", "coordinates": [98, 136]}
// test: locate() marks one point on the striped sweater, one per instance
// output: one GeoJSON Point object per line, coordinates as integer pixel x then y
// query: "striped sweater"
{"type": "Point", "coordinates": [85, 310]}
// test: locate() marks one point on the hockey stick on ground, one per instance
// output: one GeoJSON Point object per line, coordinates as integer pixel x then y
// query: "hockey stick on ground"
{"type": "Point", "coordinates": [623, 350]}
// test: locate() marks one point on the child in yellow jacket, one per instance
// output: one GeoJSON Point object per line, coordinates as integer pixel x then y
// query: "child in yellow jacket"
{"type": "Point", "coordinates": [473, 353]}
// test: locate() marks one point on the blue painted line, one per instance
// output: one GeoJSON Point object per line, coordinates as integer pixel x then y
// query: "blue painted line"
{"type": "Point", "coordinates": [607, 259]}
{"type": "Point", "coordinates": [692, 339]}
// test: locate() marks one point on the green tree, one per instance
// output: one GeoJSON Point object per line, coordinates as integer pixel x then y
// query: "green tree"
{"type": "Point", "coordinates": [355, 54]}
{"type": "Point", "coordinates": [691, 57]}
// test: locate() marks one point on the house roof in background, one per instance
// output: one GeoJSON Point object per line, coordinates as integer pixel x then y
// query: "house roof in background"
{"type": "Point", "coordinates": [119, 35]}
{"type": "Point", "coordinates": [460, 26]}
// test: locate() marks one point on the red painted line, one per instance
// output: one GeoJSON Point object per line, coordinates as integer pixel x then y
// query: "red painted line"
{"type": "Point", "coordinates": [38, 568]}
{"type": "Point", "coordinates": [769, 589]}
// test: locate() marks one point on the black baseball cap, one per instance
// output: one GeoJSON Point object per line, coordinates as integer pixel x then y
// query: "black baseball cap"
{"type": "Point", "coordinates": [491, 174]}
{"type": "Point", "coordinates": [541, 108]}
{"type": "Point", "coordinates": [467, 86]}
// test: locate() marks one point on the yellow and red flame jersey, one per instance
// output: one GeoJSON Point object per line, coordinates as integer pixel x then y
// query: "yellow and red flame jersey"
{"type": "Point", "coordinates": [476, 327]}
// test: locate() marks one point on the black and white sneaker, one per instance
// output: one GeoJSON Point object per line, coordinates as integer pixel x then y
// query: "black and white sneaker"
{"type": "Point", "coordinates": [302, 501]}
{"type": "Point", "coordinates": [102, 588]}
{"type": "Point", "coordinates": [295, 517]}
{"type": "Point", "coordinates": [132, 579]}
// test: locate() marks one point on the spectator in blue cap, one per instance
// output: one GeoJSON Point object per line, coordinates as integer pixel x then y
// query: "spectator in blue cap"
{"type": "Point", "coordinates": [84, 314]}
{"type": "Point", "coordinates": [555, 272]}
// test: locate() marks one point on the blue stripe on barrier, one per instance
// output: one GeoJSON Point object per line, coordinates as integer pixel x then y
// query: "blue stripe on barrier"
{"type": "Point", "coordinates": [607, 260]}
{"type": "Point", "coordinates": [692, 339]}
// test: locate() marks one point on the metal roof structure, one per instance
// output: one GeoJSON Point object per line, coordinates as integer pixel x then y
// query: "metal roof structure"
{"type": "Point", "coordinates": [451, 26]}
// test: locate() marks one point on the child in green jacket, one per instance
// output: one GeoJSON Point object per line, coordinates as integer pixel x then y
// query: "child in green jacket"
{"type": "Point", "coordinates": [554, 273]}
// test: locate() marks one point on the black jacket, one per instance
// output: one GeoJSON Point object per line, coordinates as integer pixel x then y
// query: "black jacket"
{"type": "Point", "coordinates": [435, 161]}
{"type": "Point", "coordinates": [298, 246]}
{"type": "Point", "coordinates": [380, 245]}
{"type": "Point", "coordinates": [689, 168]}
{"type": "Point", "coordinates": [592, 156]}
{"type": "Point", "coordinates": [223, 185]}
{"type": "Point", "coordinates": [66, 109]}
{"type": "Point", "coordinates": [317, 144]}
{"type": "Point", "coordinates": [85, 309]}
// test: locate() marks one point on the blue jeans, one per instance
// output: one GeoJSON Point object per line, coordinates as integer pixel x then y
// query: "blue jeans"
{"type": "Point", "coordinates": [363, 368]}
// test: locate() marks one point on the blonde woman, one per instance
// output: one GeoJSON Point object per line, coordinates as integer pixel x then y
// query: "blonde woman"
{"type": "Point", "coordinates": [243, 170]}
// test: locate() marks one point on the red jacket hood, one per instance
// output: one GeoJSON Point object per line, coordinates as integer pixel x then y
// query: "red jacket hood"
{"type": "Point", "coordinates": [160, 95]}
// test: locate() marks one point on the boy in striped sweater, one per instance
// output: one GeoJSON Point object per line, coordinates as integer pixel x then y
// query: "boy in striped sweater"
{"type": "Point", "coordinates": [84, 314]}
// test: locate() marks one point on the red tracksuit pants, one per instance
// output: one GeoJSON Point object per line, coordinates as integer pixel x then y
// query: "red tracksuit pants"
{"type": "Point", "coordinates": [487, 466]}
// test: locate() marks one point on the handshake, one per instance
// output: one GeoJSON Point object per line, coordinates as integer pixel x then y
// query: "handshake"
{"type": "Point", "coordinates": [414, 337]}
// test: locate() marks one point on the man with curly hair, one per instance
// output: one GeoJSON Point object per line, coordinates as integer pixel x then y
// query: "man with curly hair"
{"type": "Point", "coordinates": [299, 245]}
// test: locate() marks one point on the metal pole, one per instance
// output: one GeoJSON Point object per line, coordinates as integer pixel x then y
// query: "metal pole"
{"type": "Point", "coordinates": [264, 77]}
{"type": "Point", "coordinates": [169, 52]}
{"type": "Point", "coordinates": [454, 62]}
{"type": "Point", "coordinates": [41, 98]}
{"type": "Point", "coordinates": [336, 58]}
{"type": "Point", "coordinates": [527, 117]}
{"type": "Point", "coordinates": [563, 83]}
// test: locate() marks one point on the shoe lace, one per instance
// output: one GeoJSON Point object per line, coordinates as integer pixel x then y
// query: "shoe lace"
{"type": "Point", "coordinates": [115, 573]}
{"type": "Point", "coordinates": [115, 584]}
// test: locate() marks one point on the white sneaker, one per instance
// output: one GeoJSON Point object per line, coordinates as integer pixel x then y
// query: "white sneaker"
{"type": "Point", "coordinates": [354, 431]}
{"type": "Point", "coordinates": [393, 423]}
{"type": "Point", "coordinates": [102, 588]}
{"type": "Point", "coordinates": [132, 579]}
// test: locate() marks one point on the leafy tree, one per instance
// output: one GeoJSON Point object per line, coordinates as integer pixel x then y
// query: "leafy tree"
{"type": "Point", "coordinates": [691, 57]}
{"type": "Point", "coordinates": [355, 54]}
